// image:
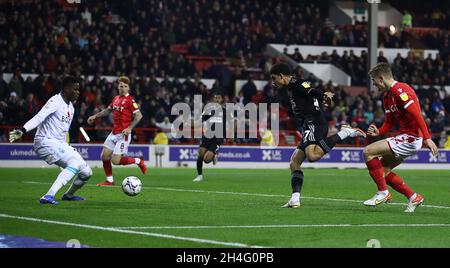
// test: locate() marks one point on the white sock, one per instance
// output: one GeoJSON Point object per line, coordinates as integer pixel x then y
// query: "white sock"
{"type": "Point", "coordinates": [63, 178]}
{"type": "Point", "coordinates": [385, 192]}
{"type": "Point", "coordinates": [76, 184]}
{"type": "Point", "coordinates": [295, 197]}
{"type": "Point", "coordinates": [412, 197]}
{"type": "Point", "coordinates": [137, 161]}
{"type": "Point", "coordinates": [344, 133]}
{"type": "Point", "coordinates": [110, 178]}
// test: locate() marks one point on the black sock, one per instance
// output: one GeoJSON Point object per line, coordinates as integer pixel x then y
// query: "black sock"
{"type": "Point", "coordinates": [199, 166]}
{"type": "Point", "coordinates": [297, 181]}
{"type": "Point", "coordinates": [328, 143]}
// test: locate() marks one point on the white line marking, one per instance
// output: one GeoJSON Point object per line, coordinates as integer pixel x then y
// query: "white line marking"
{"type": "Point", "coordinates": [113, 229]}
{"type": "Point", "coordinates": [254, 194]}
{"type": "Point", "coordinates": [288, 226]}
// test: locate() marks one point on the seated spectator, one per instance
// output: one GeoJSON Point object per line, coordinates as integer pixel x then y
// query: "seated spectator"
{"type": "Point", "coordinates": [248, 90]}
{"type": "Point", "coordinates": [165, 126]}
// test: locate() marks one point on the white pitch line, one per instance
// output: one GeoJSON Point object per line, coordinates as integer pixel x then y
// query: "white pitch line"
{"type": "Point", "coordinates": [255, 194]}
{"type": "Point", "coordinates": [288, 226]}
{"type": "Point", "coordinates": [116, 230]}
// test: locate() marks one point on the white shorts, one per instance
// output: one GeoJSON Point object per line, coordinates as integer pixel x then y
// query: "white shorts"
{"type": "Point", "coordinates": [56, 152]}
{"type": "Point", "coordinates": [117, 143]}
{"type": "Point", "coordinates": [404, 145]}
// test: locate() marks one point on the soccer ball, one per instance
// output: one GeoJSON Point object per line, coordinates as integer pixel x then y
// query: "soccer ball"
{"type": "Point", "coordinates": [131, 186]}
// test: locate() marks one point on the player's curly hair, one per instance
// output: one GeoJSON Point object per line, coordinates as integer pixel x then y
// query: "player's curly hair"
{"type": "Point", "coordinates": [381, 69]}
{"type": "Point", "coordinates": [124, 79]}
{"type": "Point", "coordinates": [281, 68]}
{"type": "Point", "coordinates": [69, 80]}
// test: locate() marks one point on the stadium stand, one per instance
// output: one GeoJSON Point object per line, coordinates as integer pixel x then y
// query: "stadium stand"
{"type": "Point", "coordinates": [148, 40]}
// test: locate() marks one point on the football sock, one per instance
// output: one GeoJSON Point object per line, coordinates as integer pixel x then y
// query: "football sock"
{"type": "Point", "coordinates": [412, 197]}
{"type": "Point", "coordinates": [76, 184]}
{"type": "Point", "coordinates": [344, 133]}
{"type": "Point", "coordinates": [295, 197]}
{"type": "Point", "coordinates": [296, 181]}
{"type": "Point", "coordinates": [377, 173]}
{"type": "Point", "coordinates": [125, 160]}
{"type": "Point", "coordinates": [399, 185]}
{"type": "Point", "coordinates": [199, 166]}
{"type": "Point", "coordinates": [63, 178]}
{"type": "Point", "coordinates": [107, 167]}
{"type": "Point", "coordinates": [328, 143]}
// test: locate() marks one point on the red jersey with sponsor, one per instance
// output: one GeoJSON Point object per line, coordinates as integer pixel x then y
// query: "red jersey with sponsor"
{"type": "Point", "coordinates": [124, 107]}
{"type": "Point", "coordinates": [401, 106]}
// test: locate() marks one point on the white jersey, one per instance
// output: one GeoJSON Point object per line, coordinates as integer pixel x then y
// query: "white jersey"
{"type": "Point", "coordinates": [53, 120]}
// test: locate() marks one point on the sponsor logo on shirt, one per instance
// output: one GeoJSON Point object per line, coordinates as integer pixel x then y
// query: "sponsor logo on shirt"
{"type": "Point", "coordinates": [66, 118]}
{"type": "Point", "coordinates": [117, 108]}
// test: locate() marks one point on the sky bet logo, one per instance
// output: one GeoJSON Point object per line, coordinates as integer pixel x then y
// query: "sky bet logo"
{"type": "Point", "coordinates": [74, 1]}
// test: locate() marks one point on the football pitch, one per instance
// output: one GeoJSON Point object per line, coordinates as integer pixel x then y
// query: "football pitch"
{"type": "Point", "coordinates": [230, 208]}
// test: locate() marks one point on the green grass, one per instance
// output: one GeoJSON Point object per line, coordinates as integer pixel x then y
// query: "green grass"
{"type": "Point", "coordinates": [217, 202]}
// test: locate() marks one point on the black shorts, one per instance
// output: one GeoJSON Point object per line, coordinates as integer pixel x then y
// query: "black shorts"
{"type": "Point", "coordinates": [313, 132]}
{"type": "Point", "coordinates": [212, 145]}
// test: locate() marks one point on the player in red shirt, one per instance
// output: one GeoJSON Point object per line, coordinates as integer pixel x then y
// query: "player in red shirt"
{"type": "Point", "coordinates": [116, 145]}
{"type": "Point", "coordinates": [402, 107]}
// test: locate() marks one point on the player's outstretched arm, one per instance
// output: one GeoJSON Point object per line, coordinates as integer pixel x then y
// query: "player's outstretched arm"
{"type": "Point", "coordinates": [16, 134]}
{"type": "Point", "coordinates": [431, 145]}
{"type": "Point", "coordinates": [387, 125]}
{"type": "Point", "coordinates": [102, 113]}
{"type": "Point", "coordinates": [48, 109]}
{"type": "Point", "coordinates": [414, 109]}
{"type": "Point", "coordinates": [137, 116]}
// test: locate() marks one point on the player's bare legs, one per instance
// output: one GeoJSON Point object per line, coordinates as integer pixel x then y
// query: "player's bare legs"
{"type": "Point", "coordinates": [201, 157]}
{"type": "Point", "coordinates": [314, 152]}
{"type": "Point", "coordinates": [373, 154]}
{"type": "Point", "coordinates": [397, 183]}
{"type": "Point", "coordinates": [110, 157]}
{"type": "Point", "coordinates": [209, 157]}
{"type": "Point", "coordinates": [297, 159]}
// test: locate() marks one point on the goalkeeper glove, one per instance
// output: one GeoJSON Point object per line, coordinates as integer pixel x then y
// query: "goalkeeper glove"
{"type": "Point", "coordinates": [16, 134]}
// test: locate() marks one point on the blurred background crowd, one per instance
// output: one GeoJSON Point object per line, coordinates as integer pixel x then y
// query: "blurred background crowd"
{"type": "Point", "coordinates": [154, 39]}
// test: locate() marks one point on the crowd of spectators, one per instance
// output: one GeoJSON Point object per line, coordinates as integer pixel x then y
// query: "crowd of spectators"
{"type": "Point", "coordinates": [135, 37]}
{"type": "Point", "coordinates": [21, 98]}
{"type": "Point", "coordinates": [112, 38]}
{"type": "Point", "coordinates": [411, 69]}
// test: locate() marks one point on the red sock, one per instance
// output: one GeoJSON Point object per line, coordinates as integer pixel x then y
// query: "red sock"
{"type": "Point", "coordinates": [107, 167]}
{"type": "Point", "coordinates": [125, 160]}
{"type": "Point", "coordinates": [376, 171]}
{"type": "Point", "coordinates": [399, 185]}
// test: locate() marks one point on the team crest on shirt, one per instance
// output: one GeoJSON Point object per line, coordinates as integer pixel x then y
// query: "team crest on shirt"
{"type": "Point", "coordinates": [404, 96]}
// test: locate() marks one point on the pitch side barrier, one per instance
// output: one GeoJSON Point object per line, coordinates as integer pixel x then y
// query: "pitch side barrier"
{"type": "Point", "coordinates": [22, 155]}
